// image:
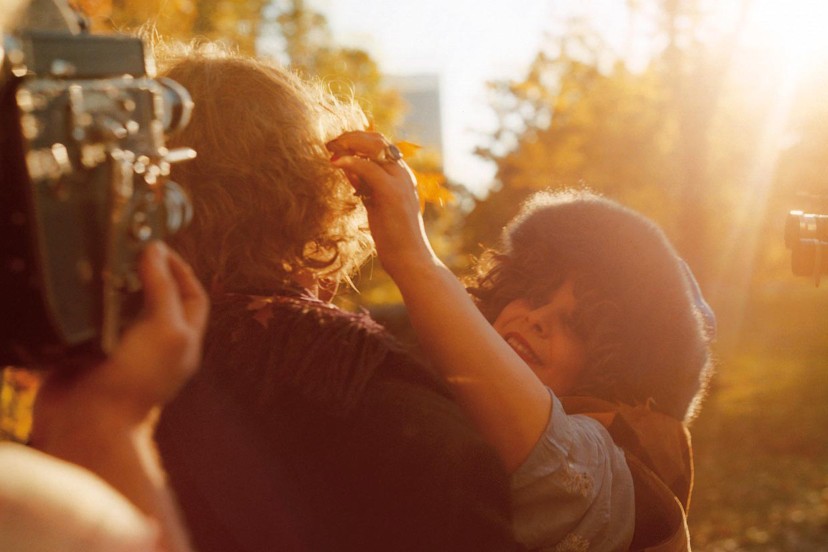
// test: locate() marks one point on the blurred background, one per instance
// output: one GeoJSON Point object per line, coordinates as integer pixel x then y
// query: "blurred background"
{"type": "Point", "coordinates": [711, 117]}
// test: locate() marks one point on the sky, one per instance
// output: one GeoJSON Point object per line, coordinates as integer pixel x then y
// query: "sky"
{"type": "Point", "coordinates": [465, 42]}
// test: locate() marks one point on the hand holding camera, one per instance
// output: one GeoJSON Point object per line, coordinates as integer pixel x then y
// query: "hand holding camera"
{"type": "Point", "coordinates": [84, 194]}
{"type": "Point", "coordinates": [84, 189]}
{"type": "Point", "coordinates": [155, 357]}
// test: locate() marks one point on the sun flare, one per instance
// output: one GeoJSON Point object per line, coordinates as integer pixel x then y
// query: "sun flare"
{"type": "Point", "coordinates": [793, 30]}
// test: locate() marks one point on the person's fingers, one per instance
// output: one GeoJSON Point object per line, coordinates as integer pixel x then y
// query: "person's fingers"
{"type": "Point", "coordinates": [369, 144]}
{"type": "Point", "coordinates": [193, 298]}
{"type": "Point", "coordinates": [367, 168]}
{"type": "Point", "coordinates": [160, 289]}
{"type": "Point", "coordinates": [357, 140]}
{"type": "Point", "coordinates": [367, 172]}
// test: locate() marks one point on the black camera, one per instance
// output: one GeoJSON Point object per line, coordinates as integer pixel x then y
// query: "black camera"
{"type": "Point", "coordinates": [84, 188]}
{"type": "Point", "coordinates": [806, 235]}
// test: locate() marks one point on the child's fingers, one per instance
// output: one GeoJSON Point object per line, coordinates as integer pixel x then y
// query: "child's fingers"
{"type": "Point", "coordinates": [367, 172]}
{"type": "Point", "coordinates": [368, 144]}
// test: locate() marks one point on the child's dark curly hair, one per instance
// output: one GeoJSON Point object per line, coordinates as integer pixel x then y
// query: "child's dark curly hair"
{"type": "Point", "coordinates": [637, 311]}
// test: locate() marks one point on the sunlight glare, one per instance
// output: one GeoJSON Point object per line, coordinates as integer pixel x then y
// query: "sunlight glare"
{"type": "Point", "coordinates": [785, 41]}
{"type": "Point", "coordinates": [794, 30]}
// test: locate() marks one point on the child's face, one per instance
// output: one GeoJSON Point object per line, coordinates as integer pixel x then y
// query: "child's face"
{"type": "Point", "coordinates": [544, 337]}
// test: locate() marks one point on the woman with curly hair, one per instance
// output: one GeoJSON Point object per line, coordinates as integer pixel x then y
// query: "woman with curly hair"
{"type": "Point", "coordinates": [581, 355]}
{"type": "Point", "coordinates": [307, 428]}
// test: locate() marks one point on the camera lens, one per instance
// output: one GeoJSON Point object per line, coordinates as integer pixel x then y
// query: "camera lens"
{"type": "Point", "coordinates": [809, 257]}
{"type": "Point", "coordinates": [177, 105]}
{"type": "Point", "coordinates": [178, 209]}
{"type": "Point", "coordinates": [806, 235]}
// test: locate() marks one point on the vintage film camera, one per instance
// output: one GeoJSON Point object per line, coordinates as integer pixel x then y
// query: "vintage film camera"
{"type": "Point", "coordinates": [84, 188]}
{"type": "Point", "coordinates": [806, 235]}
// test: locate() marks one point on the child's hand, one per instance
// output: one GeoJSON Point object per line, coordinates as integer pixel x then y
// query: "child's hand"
{"type": "Point", "coordinates": [387, 186]}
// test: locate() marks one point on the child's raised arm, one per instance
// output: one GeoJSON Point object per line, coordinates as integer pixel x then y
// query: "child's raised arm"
{"type": "Point", "coordinates": [504, 398]}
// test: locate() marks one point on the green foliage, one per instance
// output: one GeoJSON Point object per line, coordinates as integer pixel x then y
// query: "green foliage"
{"type": "Point", "coordinates": [759, 443]}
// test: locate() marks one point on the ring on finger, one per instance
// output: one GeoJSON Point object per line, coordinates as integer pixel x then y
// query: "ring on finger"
{"type": "Point", "coordinates": [389, 154]}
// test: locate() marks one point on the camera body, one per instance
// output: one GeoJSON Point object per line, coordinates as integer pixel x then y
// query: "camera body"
{"type": "Point", "coordinates": [806, 235]}
{"type": "Point", "coordinates": [84, 189]}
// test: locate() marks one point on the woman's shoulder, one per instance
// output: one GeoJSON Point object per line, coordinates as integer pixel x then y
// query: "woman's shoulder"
{"type": "Point", "coordinates": [293, 341]}
{"type": "Point", "coordinates": [286, 308]}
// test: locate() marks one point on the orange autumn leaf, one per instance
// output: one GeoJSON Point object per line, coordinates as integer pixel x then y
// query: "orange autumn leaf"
{"type": "Point", "coordinates": [18, 390]}
{"type": "Point", "coordinates": [431, 189]}
{"type": "Point", "coordinates": [263, 310]}
{"type": "Point", "coordinates": [408, 149]}
{"type": "Point", "coordinates": [430, 185]}
{"type": "Point", "coordinates": [99, 12]}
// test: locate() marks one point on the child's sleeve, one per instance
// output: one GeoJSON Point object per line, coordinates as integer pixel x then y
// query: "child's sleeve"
{"type": "Point", "coordinates": [574, 488]}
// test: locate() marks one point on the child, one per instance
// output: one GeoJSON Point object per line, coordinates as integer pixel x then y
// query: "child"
{"type": "Point", "coordinates": [581, 362]}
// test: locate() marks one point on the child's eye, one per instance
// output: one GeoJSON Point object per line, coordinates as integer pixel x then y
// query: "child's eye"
{"type": "Point", "coordinates": [574, 322]}
{"type": "Point", "coordinates": [538, 298]}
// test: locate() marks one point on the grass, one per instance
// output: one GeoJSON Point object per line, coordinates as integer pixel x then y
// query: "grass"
{"type": "Point", "coordinates": [761, 442]}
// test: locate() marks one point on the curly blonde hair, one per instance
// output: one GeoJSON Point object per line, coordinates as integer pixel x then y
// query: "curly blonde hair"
{"type": "Point", "coordinates": [268, 205]}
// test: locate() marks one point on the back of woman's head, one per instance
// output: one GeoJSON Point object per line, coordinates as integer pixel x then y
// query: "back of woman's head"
{"type": "Point", "coordinates": [268, 205]}
{"type": "Point", "coordinates": [643, 326]}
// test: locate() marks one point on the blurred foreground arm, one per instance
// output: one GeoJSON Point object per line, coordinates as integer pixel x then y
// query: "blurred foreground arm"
{"type": "Point", "coordinates": [102, 419]}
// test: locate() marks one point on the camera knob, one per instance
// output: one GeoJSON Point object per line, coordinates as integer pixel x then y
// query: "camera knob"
{"type": "Point", "coordinates": [140, 228]}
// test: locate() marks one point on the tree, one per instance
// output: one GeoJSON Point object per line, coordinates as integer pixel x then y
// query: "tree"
{"type": "Point", "coordinates": [300, 37]}
{"type": "Point", "coordinates": [584, 114]}
{"type": "Point", "coordinates": [572, 122]}
{"type": "Point", "coordinates": [171, 19]}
